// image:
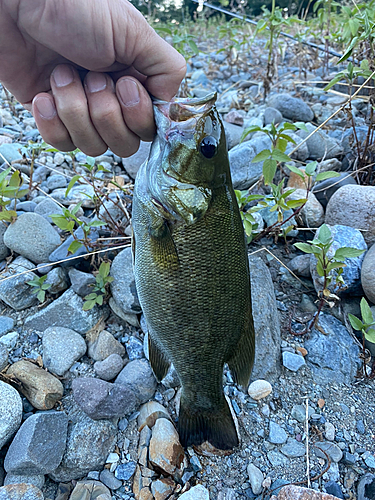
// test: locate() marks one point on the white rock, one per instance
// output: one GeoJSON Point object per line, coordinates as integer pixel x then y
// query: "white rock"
{"type": "Point", "coordinates": [255, 478]}
{"type": "Point", "coordinates": [259, 389]}
{"type": "Point", "coordinates": [198, 492]}
{"type": "Point", "coordinates": [9, 340]}
{"type": "Point", "coordinates": [329, 431]}
{"type": "Point", "coordinates": [312, 213]}
{"type": "Point", "coordinates": [10, 412]}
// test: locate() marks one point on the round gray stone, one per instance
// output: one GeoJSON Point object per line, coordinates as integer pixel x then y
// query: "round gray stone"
{"type": "Point", "coordinates": [123, 287]}
{"type": "Point", "coordinates": [110, 367]}
{"type": "Point", "coordinates": [62, 347]}
{"type": "Point", "coordinates": [48, 207]}
{"type": "Point", "coordinates": [140, 378]}
{"type": "Point", "coordinates": [32, 237]}
{"type": "Point", "coordinates": [36, 480]}
{"type": "Point", "coordinates": [20, 492]}
{"type": "Point", "coordinates": [293, 361]}
{"type": "Point", "coordinates": [10, 412]}
{"type": "Point", "coordinates": [277, 435]}
{"type": "Point", "coordinates": [291, 108]}
{"type": "Point", "coordinates": [15, 291]}
{"type": "Point", "coordinates": [4, 250]}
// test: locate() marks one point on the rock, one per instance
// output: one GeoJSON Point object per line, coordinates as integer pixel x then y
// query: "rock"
{"type": "Point", "coordinates": [15, 292]}
{"type": "Point", "coordinates": [368, 274]}
{"type": "Point", "coordinates": [293, 361]}
{"type": "Point", "coordinates": [325, 189]}
{"type": "Point", "coordinates": [132, 164]}
{"type": "Point", "coordinates": [334, 489]}
{"type": "Point", "coordinates": [272, 115]}
{"type": "Point", "coordinates": [300, 265]}
{"type": "Point", "coordinates": [104, 345]}
{"type": "Point", "coordinates": [125, 471]}
{"type": "Point", "coordinates": [108, 478]}
{"type": "Point", "coordinates": [123, 287]}
{"type": "Point", "coordinates": [4, 250]}
{"type": "Point", "coordinates": [100, 399]}
{"type": "Point", "coordinates": [331, 449]}
{"type": "Point", "coordinates": [277, 459]}
{"type": "Point", "coordinates": [21, 491]}
{"type": "Point", "coordinates": [233, 134]}
{"type": "Point", "coordinates": [11, 152]}
{"type": "Point", "coordinates": [320, 144]}
{"type": "Point", "coordinates": [343, 236]}
{"type": "Point", "coordinates": [302, 152]}
{"type": "Point", "coordinates": [365, 485]}
{"type": "Point", "coordinates": [271, 218]}
{"type": "Point", "coordinates": [39, 444]}
{"type": "Point", "coordinates": [139, 377]}
{"type": "Point", "coordinates": [81, 282]}
{"type": "Point", "coordinates": [277, 435]}
{"type": "Point", "coordinates": [299, 412]}
{"type": "Point", "coordinates": [245, 173]}
{"type": "Point", "coordinates": [32, 237]}
{"type": "Point", "coordinates": [134, 348]}
{"type": "Point", "coordinates": [266, 322]}
{"type": "Point", "coordinates": [292, 492]}
{"type": "Point", "coordinates": [9, 340]}
{"type": "Point", "coordinates": [35, 480]}
{"type": "Point", "coordinates": [329, 431]}
{"type": "Point", "coordinates": [90, 490]}
{"type": "Point", "coordinates": [56, 181]}
{"type": "Point", "coordinates": [162, 488]}
{"type": "Point", "coordinates": [41, 388]}
{"type": "Point", "coordinates": [333, 164]}
{"type": "Point", "coordinates": [66, 311]}
{"type": "Point", "coordinates": [291, 108]}
{"type": "Point", "coordinates": [10, 412]}
{"type": "Point", "coordinates": [354, 206]}
{"type": "Point", "coordinates": [236, 117]}
{"type": "Point", "coordinates": [259, 389]}
{"type": "Point", "coordinates": [197, 492]}
{"type": "Point", "coordinates": [293, 448]}
{"type": "Point", "coordinates": [150, 412]}
{"type": "Point", "coordinates": [88, 445]}
{"type": "Point", "coordinates": [132, 319]}
{"type": "Point", "coordinates": [61, 348]}
{"type": "Point", "coordinates": [3, 358]}
{"type": "Point", "coordinates": [312, 213]}
{"type": "Point", "coordinates": [165, 450]}
{"type": "Point", "coordinates": [110, 367]}
{"type": "Point", "coordinates": [62, 253]}
{"type": "Point", "coordinates": [57, 279]}
{"type": "Point", "coordinates": [256, 478]}
{"type": "Point", "coordinates": [80, 192]}
{"type": "Point", "coordinates": [333, 357]}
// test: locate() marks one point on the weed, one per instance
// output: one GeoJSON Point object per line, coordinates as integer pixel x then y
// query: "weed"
{"type": "Point", "coordinates": [40, 287]}
{"type": "Point", "coordinates": [10, 188]}
{"type": "Point", "coordinates": [364, 326]}
{"type": "Point", "coordinates": [99, 289]}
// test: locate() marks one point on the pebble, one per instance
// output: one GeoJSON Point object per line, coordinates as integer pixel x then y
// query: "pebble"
{"type": "Point", "coordinates": [320, 145]}
{"type": "Point", "coordinates": [165, 451]}
{"type": "Point", "coordinates": [293, 448]}
{"type": "Point", "coordinates": [100, 399]}
{"type": "Point", "coordinates": [55, 181]}
{"type": "Point", "coordinates": [57, 279]}
{"type": "Point", "coordinates": [39, 444]}
{"type": "Point", "coordinates": [324, 190]}
{"type": "Point", "coordinates": [3, 358]}
{"type": "Point", "coordinates": [4, 250]}
{"type": "Point", "coordinates": [293, 361]}
{"type": "Point", "coordinates": [299, 412]}
{"type": "Point", "coordinates": [291, 108]}
{"type": "Point", "coordinates": [62, 347]}
{"type": "Point", "coordinates": [332, 450]}
{"type": "Point", "coordinates": [150, 412]}
{"type": "Point", "coordinates": [108, 478]}
{"type": "Point", "coordinates": [10, 412]}
{"type": "Point", "coordinates": [9, 340]}
{"type": "Point", "coordinates": [104, 345]}
{"type": "Point", "coordinates": [368, 274]}
{"type": "Point", "coordinates": [259, 389]}
{"type": "Point", "coordinates": [134, 348]}
{"type": "Point", "coordinates": [312, 213]}
{"type": "Point", "coordinates": [292, 492]}
{"type": "Point", "coordinates": [90, 490]}
{"type": "Point", "coordinates": [277, 435]}
{"type": "Point", "coordinates": [329, 431]}
{"type": "Point", "coordinates": [197, 492]}
{"type": "Point", "coordinates": [21, 491]}
{"type": "Point", "coordinates": [110, 367]}
{"type": "Point", "coordinates": [360, 427]}
{"type": "Point", "coordinates": [333, 488]}
{"type": "Point", "coordinates": [138, 376]}
{"type": "Point", "coordinates": [15, 292]}
{"type": "Point", "coordinates": [79, 193]}
{"type": "Point", "coordinates": [81, 282]}
{"type": "Point", "coordinates": [6, 324]}
{"type": "Point", "coordinates": [370, 461]}
{"type": "Point", "coordinates": [125, 471]}
{"type": "Point", "coordinates": [32, 237]}
{"type": "Point", "coordinates": [256, 478]}
{"type": "Point", "coordinates": [41, 388]}
{"type": "Point", "coordinates": [36, 480]}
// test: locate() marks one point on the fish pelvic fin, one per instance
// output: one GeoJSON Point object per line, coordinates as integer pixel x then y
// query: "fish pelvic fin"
{"type": "Point", "coordinates": [158, 361]}
{"type": "Point", "coordinates": [241, 362]}
{"type": "Point", "coordinates": [216, 427]}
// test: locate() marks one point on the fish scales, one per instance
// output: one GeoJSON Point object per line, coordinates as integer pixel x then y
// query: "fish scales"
{"type": "Point", "coordinates": [191, 268]}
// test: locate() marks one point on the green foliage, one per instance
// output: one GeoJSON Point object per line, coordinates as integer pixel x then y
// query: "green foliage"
{"type": "Point", "coordinates": [329, 265]}
{"type": "Point", "coordinates": [182, 41]}
{"type": "Point", "coordinates": [309, 174]}
{"type": "Point", "coordinates": [367, 322]}
{"type": "Point", "coordinates": [351, 73]}
{"type": "Point", "coordinates": [99, 289]}
{"type": "Point", "coordinates": [10, 188]}
{"type": "Point", "coordinates": [248, 220]}
{"type": "Point", "coordinates": [40, 287]}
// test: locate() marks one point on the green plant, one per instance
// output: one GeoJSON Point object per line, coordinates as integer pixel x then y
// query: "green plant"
{"type": "Point", "coordinates": [10, 188]}
{"type": "Point", "coordinates": [40, 287]}
{"type": "Point", "coordinates": [248, 220]}
{"type": "Point", "coordinates": [182, 41]}
{"type": "Point", "coordinates": [329, 266]}
{"type": "Point", "coordinates": [364, 327]}
{"type": "Point", "coordinates": [99, 289]}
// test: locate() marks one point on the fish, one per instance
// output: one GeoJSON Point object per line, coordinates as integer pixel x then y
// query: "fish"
{"type": "Point", "coordinates": [191, 267]}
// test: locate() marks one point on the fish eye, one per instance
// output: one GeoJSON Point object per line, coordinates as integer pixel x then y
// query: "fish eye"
{"type": "Point", "coordinates": [208, 146]}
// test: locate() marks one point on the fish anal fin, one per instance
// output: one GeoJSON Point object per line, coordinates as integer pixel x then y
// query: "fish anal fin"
{"type": "Point", "coordinates": [241, 362]}
{"type": "Point", "coordinates": [159, 363]}
{"type": "Point", "coordinates": [217, 427]}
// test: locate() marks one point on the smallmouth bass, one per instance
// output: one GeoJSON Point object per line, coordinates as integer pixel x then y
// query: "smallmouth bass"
{"type": "Point", "coordinates": [191, 267]}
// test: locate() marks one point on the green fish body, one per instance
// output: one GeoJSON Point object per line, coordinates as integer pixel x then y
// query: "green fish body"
{"type": "Point", "coordinates": [191, 266]}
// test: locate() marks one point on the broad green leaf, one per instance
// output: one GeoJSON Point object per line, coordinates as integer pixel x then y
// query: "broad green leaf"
{"type": "Point", "coordinates": [76, 208]}
{"type": "Point", "coordinates": [335, 80]}
{"type": "Point", "coordinates": [263, 155]}
{"type": "Point", "coordinates": [4, 173]}
{"type": "Point", "coordinates": [355, 322]}
{"type": "Point", "coordinates": [295, 203]}
{"type": "Point", "coordinates": [20, 194]}
{"type": "Point", "coordinates": [335, 265]}
{"type": "Point", "coordinates": [282, 144]}
{"type": "Point", "coordinates": [366, 312]}
{"type": "Point", "coordinates": [89, 304]}
{"type": "Point", "coordinates": [193, 46]}
{"type": "Point", "coordinates": [279, 156]}
{"type": "Point", "coordinates": [269, 170]}
{"type": "Point", "coordinates": [310, 168]}
{"type": "Point", "coordinates": [33, 282]}
{"type": "Point", "coordinates": [249, 130]}
{"type": "Point", "coordinates": [296, 170]}
{"type": "Point", "coordinates": [247, 226]}
{"type": "Point", "coordinates": [288, 126]}
{"type": "Point", "coordinates": [99, 299]}
{"type": "Point", "coordinates": [61, 222]}
{"type": "Point", "coordinates": [301, 126]}
{"type": "Point", "coordinates": [15, 180]}
{"type": "Point", "coordinates": [91, 296]}
{"type": "Point", "coordinates": [41, 295]}
{"type": "Point", "coordinates": [74, 246]}
{"type": "Point", "coordinates": [104, 268]}
{"type": "Point", "coordinates": [45, 286]}
{"type": "Point", "coordinates": [347, 253]}
{"type": "Point", "coordinates": [319, 268]}
{"type": "Point", "coordinates": [8, 215]}
{"type": "Point", "coordinates": [305, 247]}
{"type": "Point", "coordinates": [96, 223]}
{"type": "Point", "coordinates": [324, 234]}
{"type": "Point", "coordinates": [73, 180]}
{"type": "Point", "coordinates": [370, 335]}
{"type": "Point", "coordinates": [326, 175]}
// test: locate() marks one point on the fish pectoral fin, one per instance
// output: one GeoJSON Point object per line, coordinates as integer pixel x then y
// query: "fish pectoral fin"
{"type": "Point", "coordinates": [241, 362]}
{"type": "Point", "coordinates": [158, 361]}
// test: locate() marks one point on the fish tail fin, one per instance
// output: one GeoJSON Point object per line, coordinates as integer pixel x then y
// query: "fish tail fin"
{"type": "Point", "coordinates": [241, 362]}
{"type": "Point", "coordinates": [216, 427]}
{"type": "Point", "coordinates": [158, 361]}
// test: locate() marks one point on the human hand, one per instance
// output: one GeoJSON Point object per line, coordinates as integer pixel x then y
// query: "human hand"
{"type": "Point", "coordinates": [48, 46]}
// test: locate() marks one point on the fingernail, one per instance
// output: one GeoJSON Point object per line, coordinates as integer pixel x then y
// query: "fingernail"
{"type": "Point", "coordinates": [128, 91]}
{"type": "Point", "coordinates": [45, 107]}
{"type": "Point", "coordinates": [63, 75]}
{"type": "Point", "coordinates": [96, 82]}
